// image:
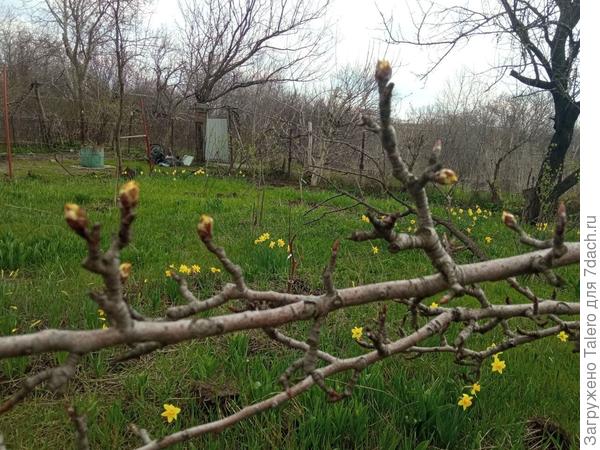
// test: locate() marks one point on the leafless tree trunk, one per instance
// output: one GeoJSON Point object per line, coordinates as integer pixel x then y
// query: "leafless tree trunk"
{"type": "Point", "coordinates": [231, 45]}
{"type": "Point", "coordinates": [547, 35]}
{"type": "Point", "coordinates": [82, 24]}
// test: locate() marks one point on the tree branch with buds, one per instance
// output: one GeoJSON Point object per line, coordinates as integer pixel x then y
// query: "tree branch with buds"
{"type": "Point", "coordinates": [270, 311]}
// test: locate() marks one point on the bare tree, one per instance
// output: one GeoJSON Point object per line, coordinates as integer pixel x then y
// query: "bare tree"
{"type": "Point", "coordinates": [82, 25]}
{"type": "Point", "coordinates": [544, 36]}
{"type": "Point", "coordinates": [228, 45]}
{"type": "Point", "coordinates": [126, 38]}
{"type": "Point", "coordinates": [513, 123]}
{"type": "Point", "coordinates": [338, 113]}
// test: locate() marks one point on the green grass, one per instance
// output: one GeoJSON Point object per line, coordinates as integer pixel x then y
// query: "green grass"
{"type": "Point", "coordinates": [399, 403]}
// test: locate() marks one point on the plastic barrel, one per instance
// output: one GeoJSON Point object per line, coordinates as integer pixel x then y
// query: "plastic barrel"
{"type": "Point", "coordinates": [91, 157]}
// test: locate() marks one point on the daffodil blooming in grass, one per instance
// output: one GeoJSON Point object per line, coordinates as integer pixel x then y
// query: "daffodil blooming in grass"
{"type": "Point", "coordinates": [365, 219]}
{"type": "Point", "coordinates": [475, 388]}
{"type": "Point", "coordinates": [215, 270]}
{"type": "Point", "coordinates": [262, 238]}
{"type": "Point", "coordinates": [170, 412]}
{"type": "Point", "coordinates": [434, 305]}
{"type": "Point", "coordinates": [196, 268]}
{"type": "Point", "coordinates": [375, 250]}
{"type": "Point", "coordinates": [185, 269]}
{"type": "Point", "coordinates": [272, 243]}
{"type": "Point", "coordinates": [488, 239]}
{"type": "Point", "coordinates": [498, 365]}
{"type": "Point", "coordinates": [564, 337]}
{"type": "Point", "coordinates": [357, 333]}
{"type": "Point", "coordinates": [465, 401]}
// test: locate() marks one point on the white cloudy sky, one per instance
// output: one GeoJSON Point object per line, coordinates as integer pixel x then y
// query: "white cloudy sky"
{"type": "Point", "coordinates": [358, 28]}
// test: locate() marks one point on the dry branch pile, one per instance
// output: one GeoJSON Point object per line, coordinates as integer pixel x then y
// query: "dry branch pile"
{"type": "Point", "coordinates": [269, 310]}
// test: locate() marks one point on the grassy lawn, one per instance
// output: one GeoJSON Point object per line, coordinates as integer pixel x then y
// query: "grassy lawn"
{"type": "Point", "coordinates": [398, 403]}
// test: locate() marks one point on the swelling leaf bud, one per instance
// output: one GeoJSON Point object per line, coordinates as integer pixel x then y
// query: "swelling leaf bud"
{"type": "Point", "coordinates": [383, 71]}
{"type": "Point", "coordinates": [508, 219]}
{"type": "Point", "coordinates": [445, 176]}
{"type": "Point", "coordinates": [76, 217]}
{"type": "Point", "coordinates": [129, 194]}
{"type": "Point", "coordinates": [205, 227]}
{"type": "Point", "coordinates": [336, 246]}
{"type": "Point", "coordinates": [125, 271]}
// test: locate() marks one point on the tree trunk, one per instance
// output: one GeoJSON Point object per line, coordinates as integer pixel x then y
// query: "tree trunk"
{"type": "Point", "coordinates": [81, 112]}
{"type": "Point", "coordinates": [549, 185]}
{"type": "Point", "coordinates": [44, 128]}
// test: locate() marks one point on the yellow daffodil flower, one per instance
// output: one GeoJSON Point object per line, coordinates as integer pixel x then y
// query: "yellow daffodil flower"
{"type": "Point", "coordinates": [465, 401]}
{"type": "Point", "coordinates": [215, 270]}
{"type": "Point", "coordinates": [498, 365]}
{"type": "Point", "coordinates": [475, 388]}
{"type": "Point", "coordinates": [564, 337]}
{"type": "Point", "coordinates": [375, 250]}
{"type": "Point", "coordinates": [357, 333]}
{"type": "Point", "coordinates": [170, 412]}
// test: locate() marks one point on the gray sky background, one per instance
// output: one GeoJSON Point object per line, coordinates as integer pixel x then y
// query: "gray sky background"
{"type": "Point", "coordinates": [358, 28]}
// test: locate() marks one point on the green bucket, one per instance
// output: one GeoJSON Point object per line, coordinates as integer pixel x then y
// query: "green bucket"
{"type": "Point", "coordinates": [91, 157]}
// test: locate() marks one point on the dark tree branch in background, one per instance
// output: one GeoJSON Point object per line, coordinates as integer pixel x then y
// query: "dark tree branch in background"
{"type": "Point", "coordinates": [232, 45]}
{"type": "Point", "coordinates": [547, 33]}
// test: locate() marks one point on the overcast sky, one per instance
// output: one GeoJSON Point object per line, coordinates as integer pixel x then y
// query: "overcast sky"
{"type": "Point", "coordinates": [358, 28]}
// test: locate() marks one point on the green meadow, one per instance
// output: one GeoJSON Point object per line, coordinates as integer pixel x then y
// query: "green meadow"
{"type": "Point", "coordinates": [399, 403]}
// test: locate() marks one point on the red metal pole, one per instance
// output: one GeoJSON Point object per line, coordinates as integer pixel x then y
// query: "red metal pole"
{"type": "Point", "coordinates": [146, 135]}
{"type": "Point", "coordinates": [7, 126]}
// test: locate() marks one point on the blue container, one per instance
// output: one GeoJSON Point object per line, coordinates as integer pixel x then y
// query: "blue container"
{"type": "Point", "coordinates": [91, 157]}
